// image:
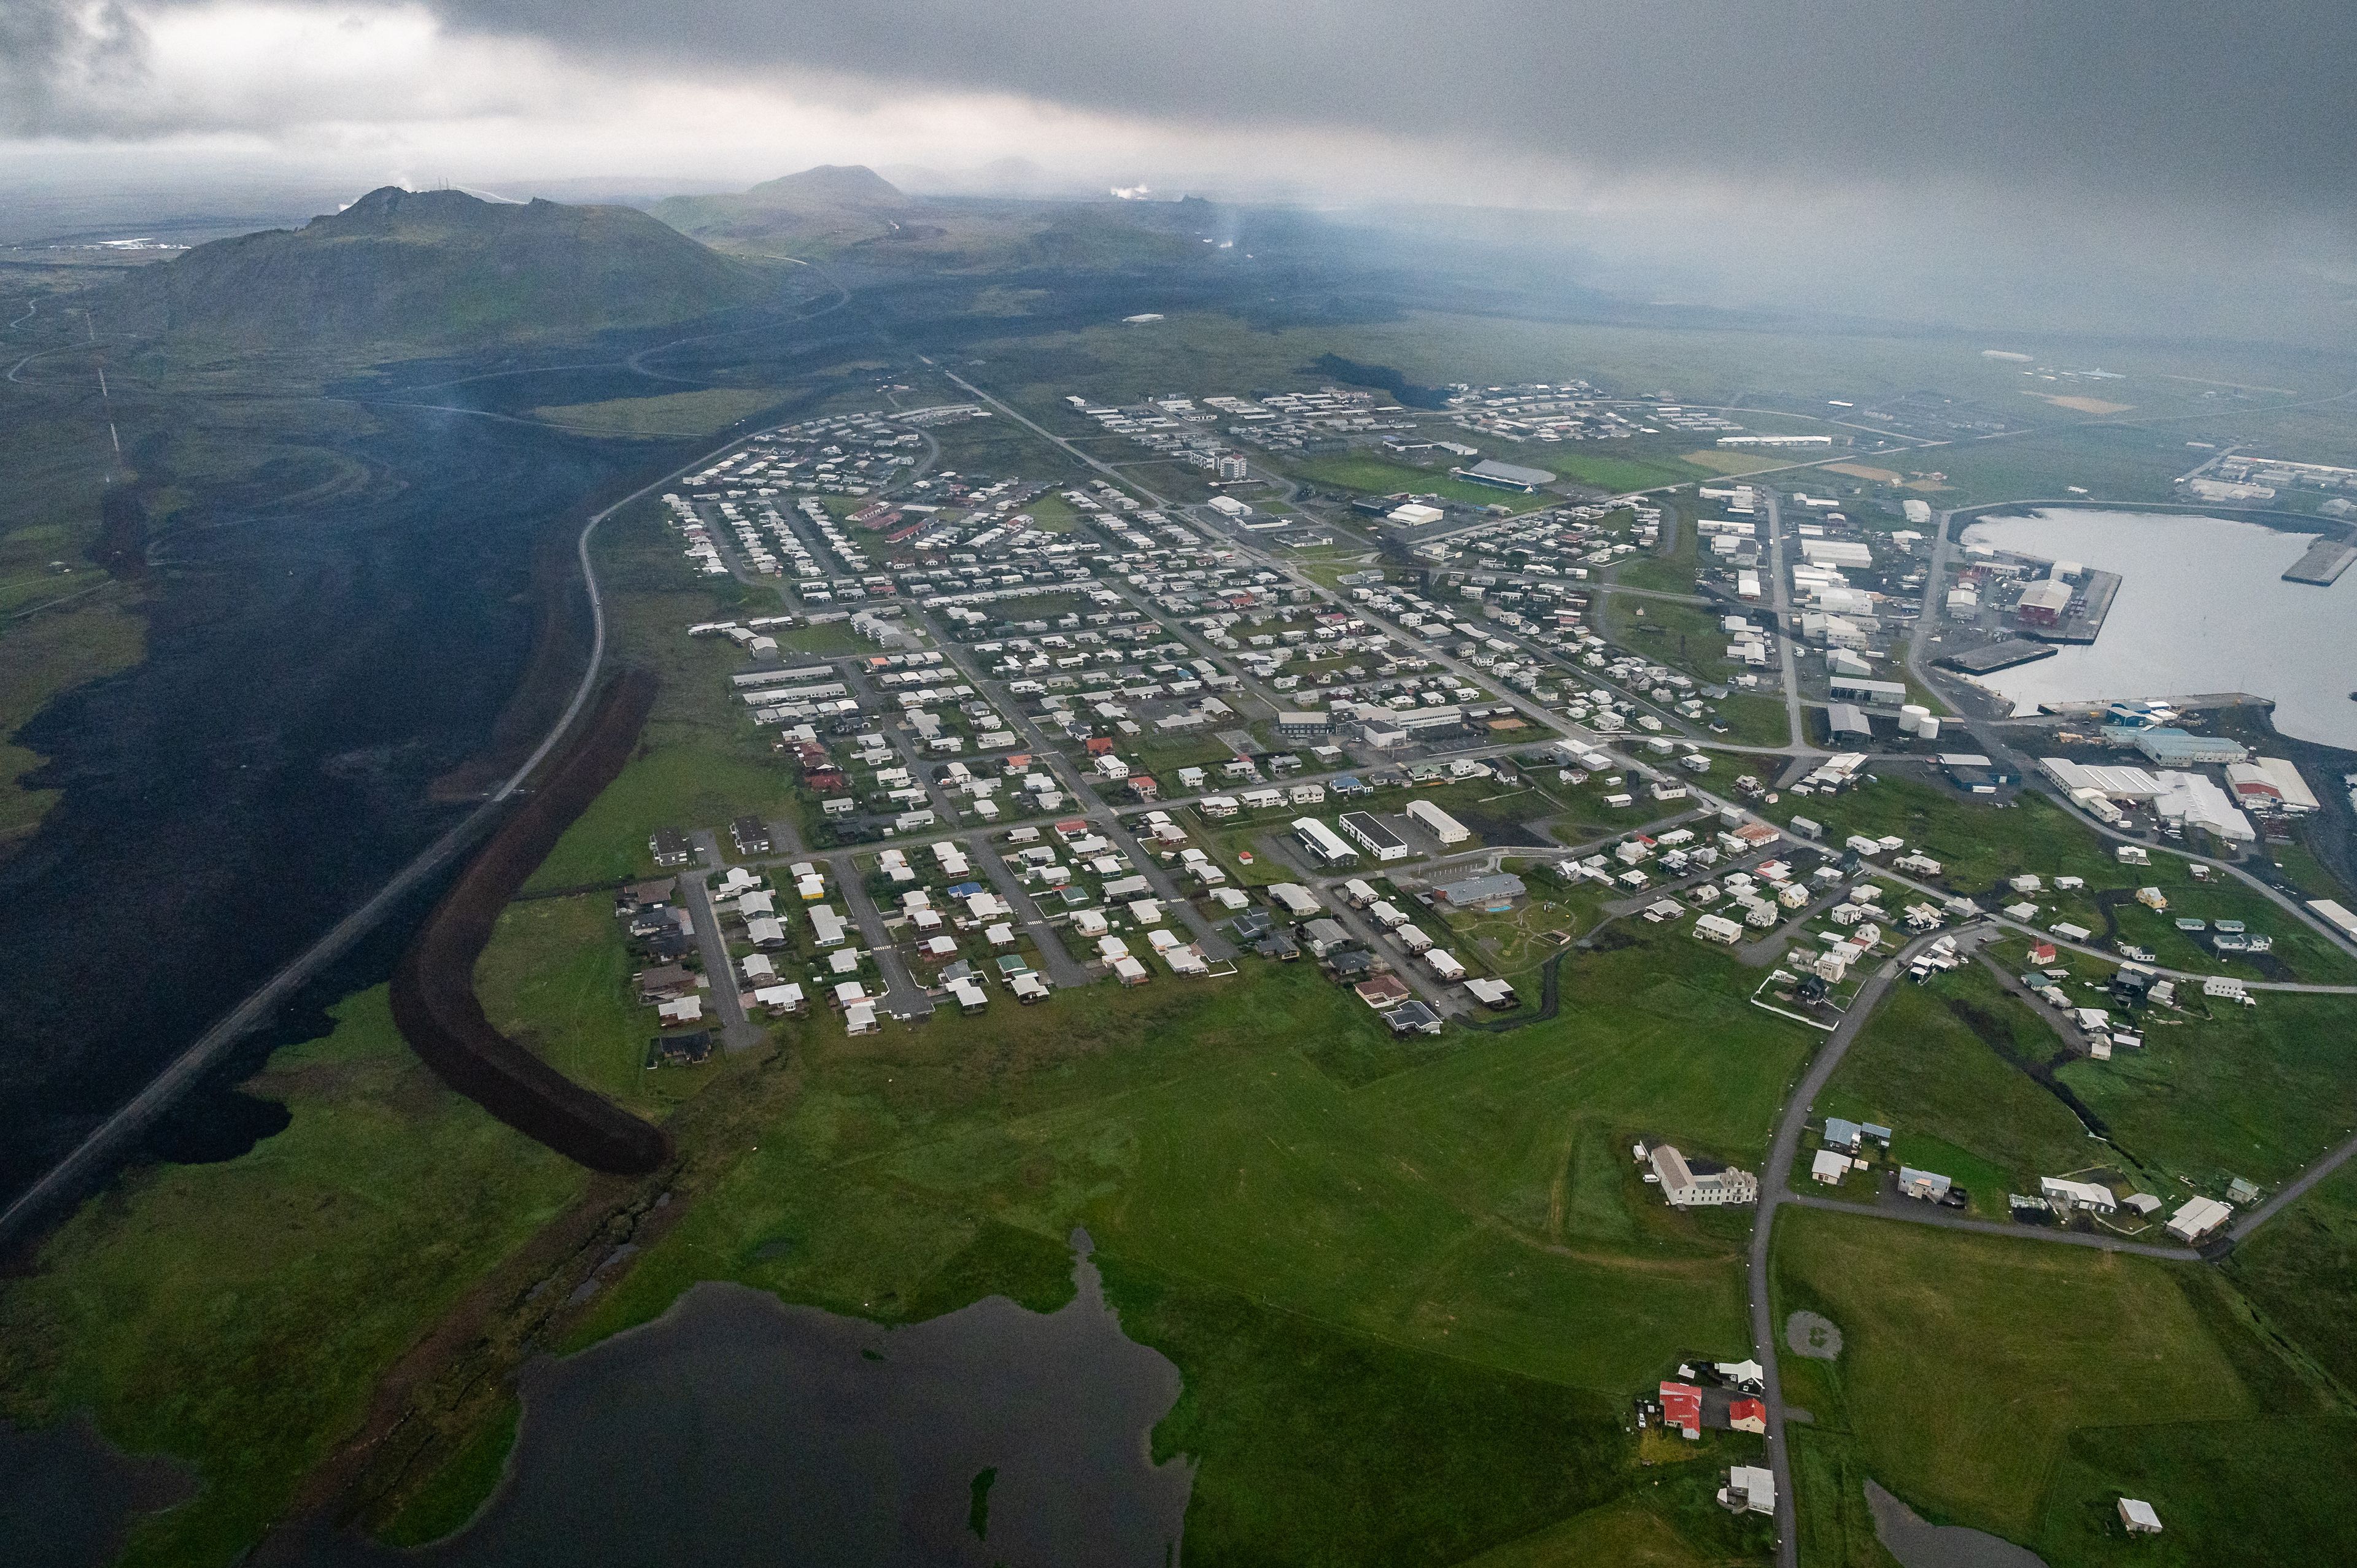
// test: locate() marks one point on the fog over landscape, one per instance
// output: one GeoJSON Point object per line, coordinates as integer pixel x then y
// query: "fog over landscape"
{"type": "Point", "coordinates": [2076, 167]}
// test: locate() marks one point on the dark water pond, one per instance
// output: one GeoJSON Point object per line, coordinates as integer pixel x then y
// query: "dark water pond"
{"type": "Point", "coordinates": [1917, 1544]}
{"type": "Point", "coordinates": [69, 1499]}
{"type": "Point", "coordinates": [735, 1430]}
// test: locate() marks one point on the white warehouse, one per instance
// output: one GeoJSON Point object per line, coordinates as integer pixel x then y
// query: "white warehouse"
{"type": "Point", "coordinates": [1437, 822]}
{"type": "Point", "coordinates": [1323, 842]}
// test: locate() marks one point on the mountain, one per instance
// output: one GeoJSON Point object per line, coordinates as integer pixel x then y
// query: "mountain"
{"type": "Point", "coordinates": [440, 266]}
{"type": "Point", "coordinates": [855, 215]}
{"type": "Point", "coordinates": [825, 207]}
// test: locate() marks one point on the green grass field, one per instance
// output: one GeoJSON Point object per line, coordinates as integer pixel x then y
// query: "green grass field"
{"type": "Point", "coordinates": [2216, 1090]}
{"type": "Point", "coordinates": [1271, 1184]}
{"type": "Point", "coordinates": [2249, 1494]}
{"type": "Point", "coordinates": [1969, 1363]}
{"type": "Point", "coordinates": [556, 976]}
{"type": "Point", "coordinates": [1925, 1067]}
{"type": "Point", "coordinates": [1979, 846]}
{"type": "Point", "coordinates": [701, 760]}
{"type": "Point", "coordinates": [1374, 475]}
{"type": "Point", "coordinates": [2257, 1092]}
{"type": "Point", "coordinates": [2297, 1271]}
{"type": "Point", "coordinates": [1685, 637]}
{"type": "Point", "coordinates": [672, 786]}
{"type": "Point", "coordinates": [1610, 471]}
{"type": "Point", "coordinates": [43, 656]}
{"type": "Point", "coordinates": [1754, 718]}
{"type": "Point", "coordinates": [673, 414]}
{"type": "Point", "coordinates": [1634, 1535]}
{"type": "Point", "coordinates": [237, 1316]}
{"type": "Point", "coordinates": [829, 638]}
{"type": "Point", "coordinates": [1670, 571]}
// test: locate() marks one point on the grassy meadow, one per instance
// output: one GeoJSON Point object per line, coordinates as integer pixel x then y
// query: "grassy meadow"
{"type": "Point", "coordinates": [2012, 1386]}
{"type": "Point", "coordinates": [1274, 1189]}
{"type": "Point", "coordinates": [237, 1316]}
{"type": "Point", "coordinates": [1942, 1065]}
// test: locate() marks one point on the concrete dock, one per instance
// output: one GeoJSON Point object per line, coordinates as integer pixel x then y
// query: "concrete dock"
{"type": "Point", "coordinates": [2325, 561]}
{"type": "Point", "coordinates": [2087, 625]}
{"type": "Point", "coordinates": [1992, 656]}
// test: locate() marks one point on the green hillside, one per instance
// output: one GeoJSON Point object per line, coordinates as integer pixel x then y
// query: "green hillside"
{"type": "Point", "coordinates": [434, 266]}
{"type": "Point", "coordinates": [855, 214]}
{"type": "Point", "coordinates": [831, 206]}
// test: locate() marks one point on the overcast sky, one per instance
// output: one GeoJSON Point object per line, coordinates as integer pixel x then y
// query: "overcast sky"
{"type": "Point", "coordinates": [1761, 145]}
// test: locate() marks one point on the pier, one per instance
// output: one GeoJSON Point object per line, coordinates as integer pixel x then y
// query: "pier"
{"type": "Point", "coordinates": [2325, 561]}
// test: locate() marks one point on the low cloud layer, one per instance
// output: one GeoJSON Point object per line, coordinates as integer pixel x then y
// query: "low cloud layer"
{"type": "Point", "coordinates": [1826, 137]}
{"type": "Point", "coordinates": [2152, 97]}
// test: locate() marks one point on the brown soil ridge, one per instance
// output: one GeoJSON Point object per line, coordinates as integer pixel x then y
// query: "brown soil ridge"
{"type": "Point", "coordinates": [433, 994]}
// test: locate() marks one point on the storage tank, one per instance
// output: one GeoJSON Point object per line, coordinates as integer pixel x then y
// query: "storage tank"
{"type": "Point", "coordinates": [1930, 730]}
{"type": "Point", "coordinates": [1912, 717]}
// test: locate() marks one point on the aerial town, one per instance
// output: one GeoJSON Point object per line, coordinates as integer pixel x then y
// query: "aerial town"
{"type": "Point", "coordinates": [1051, 735]}
{"type": "Point", "coordinates": [1096, 788]}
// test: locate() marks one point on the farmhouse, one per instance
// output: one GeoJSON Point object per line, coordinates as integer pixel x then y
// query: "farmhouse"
{"type": "Point", "coordinates": [2066, 1194]}
{"type": "Point", "coordinates": [1682, 1408]}
{"type": "Point", "coordinates": [2197, 1219]}
{"type": "Point", "coordinates": [1750, 1489]}
{"type": "Point", "coordinates": [1686, 1189]}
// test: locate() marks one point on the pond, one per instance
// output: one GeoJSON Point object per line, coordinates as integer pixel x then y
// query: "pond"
{"type": "Point", "coordinates": [72, 1499]}
{"type": "Point", "coordinates": [738, 1430]}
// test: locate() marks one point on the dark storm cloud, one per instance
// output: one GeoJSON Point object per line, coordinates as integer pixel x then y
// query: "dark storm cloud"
{"type": "Point", "coordinates": [2135, 98]}
{"type": "Point", "coordinates": [50, 50]}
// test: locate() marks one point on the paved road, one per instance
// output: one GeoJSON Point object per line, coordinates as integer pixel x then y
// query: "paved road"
{"type": "Point", "coordinates": [1772, 1192]}
{"type": "Point", "coordinates": [1782, 600]}
{"type": "Point", "coordinates": [738, 1033]}
{"type": "Point", "coordinates": [2292, 1194]}
{"type": "Point", "coordinates": [1913, 1213]}
{"type": "Point", "coordinates": [1062, 969]}
{"type": "Point", "coordinates": [903, 996]}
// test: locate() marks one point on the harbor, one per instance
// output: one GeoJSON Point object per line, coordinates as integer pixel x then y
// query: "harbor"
{"type": "Point", "coordinates": [2082, 621]}
{"type": "Point", "coordinates": [2209, 610]}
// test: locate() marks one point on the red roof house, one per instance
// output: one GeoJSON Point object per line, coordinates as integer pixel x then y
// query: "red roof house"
{"type": "Point", "coordinates": [1682, 1408]}
{"type": "Point", "coordinates": [1747, 1415]}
